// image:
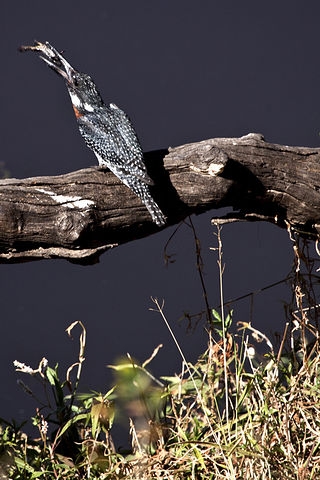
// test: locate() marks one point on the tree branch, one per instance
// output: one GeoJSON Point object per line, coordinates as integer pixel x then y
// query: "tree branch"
{"type": "Point", "coordinates": [79, 215]}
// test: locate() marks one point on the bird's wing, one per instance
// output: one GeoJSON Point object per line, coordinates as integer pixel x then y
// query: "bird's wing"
{"type": "Point", "coordinates": [115, 141]}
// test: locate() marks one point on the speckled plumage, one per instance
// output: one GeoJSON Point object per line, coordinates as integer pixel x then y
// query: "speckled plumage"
{"type": "Point", "coordinates": [107, 130]}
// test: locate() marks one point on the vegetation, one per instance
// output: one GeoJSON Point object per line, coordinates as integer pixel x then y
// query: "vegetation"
{"type": "Point", "coordinates": [228, 416]}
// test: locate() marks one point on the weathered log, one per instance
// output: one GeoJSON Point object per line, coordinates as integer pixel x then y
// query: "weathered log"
{"type": "Point", "coordinates": [79, 215]}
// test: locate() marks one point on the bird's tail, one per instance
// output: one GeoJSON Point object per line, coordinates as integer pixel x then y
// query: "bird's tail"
{"type": "Point", "coordinates": [155, 212]}
{"type": "Point", "coordinates": [142, 190]}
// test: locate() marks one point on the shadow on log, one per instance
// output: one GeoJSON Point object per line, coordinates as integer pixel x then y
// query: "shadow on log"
{"type": "Point", "coordinates": [79, 215]}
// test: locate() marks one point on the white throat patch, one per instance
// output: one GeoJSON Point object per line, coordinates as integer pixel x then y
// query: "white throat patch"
{"type": "Point", "coordinates": [78, 103]}
{"type": "Point", "coordinates": [75, 99]}
{"type": "Point", "coordinates": [88, 107]}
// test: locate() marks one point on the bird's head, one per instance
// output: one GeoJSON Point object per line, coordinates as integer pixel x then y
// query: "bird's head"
{"type": "Point", "coordinates": [82, 90]}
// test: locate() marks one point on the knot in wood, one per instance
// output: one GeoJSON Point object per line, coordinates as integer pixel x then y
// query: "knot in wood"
{"type": "Point", "coordinates": [210, 162]}
{"type": "Point", "coordinates": [70, 224]}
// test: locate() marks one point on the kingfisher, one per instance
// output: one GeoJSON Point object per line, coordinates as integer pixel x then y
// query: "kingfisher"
{"type": "Point", "coordinates": [106, 129]}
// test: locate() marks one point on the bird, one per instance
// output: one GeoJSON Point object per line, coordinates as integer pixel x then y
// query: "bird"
{"type": "Point", "coordinates": [106, 129]}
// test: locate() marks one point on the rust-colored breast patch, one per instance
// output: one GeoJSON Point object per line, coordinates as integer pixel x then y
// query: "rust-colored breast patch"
{"type": "Point", "coordinates": [77, 112]}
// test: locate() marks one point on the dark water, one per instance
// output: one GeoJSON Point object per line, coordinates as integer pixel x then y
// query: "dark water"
{"type": "Point", "coordinates": [112, 299]}
{"type": "Point", "coordinates": [183, 72]}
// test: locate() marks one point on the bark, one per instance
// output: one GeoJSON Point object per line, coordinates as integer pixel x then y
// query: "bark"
{"type": "Point", "coordinates": [79, 215]}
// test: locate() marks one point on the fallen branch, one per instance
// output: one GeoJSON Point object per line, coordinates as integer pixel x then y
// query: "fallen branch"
{"type": "Point", "coordinates": [79, 215]}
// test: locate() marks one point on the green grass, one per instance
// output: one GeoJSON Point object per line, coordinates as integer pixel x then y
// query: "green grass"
{"type": "Point", "coordinates": [180, 427]}
{"type": "Point", "coordinates": [227, 416]}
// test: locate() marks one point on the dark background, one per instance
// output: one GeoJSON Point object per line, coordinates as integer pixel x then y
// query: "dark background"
{"type": "Point", "coordinates": [184, 71]}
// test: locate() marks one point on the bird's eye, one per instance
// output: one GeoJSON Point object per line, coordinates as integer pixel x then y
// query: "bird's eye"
{"type": "Point", "coordinates": [75, 81]}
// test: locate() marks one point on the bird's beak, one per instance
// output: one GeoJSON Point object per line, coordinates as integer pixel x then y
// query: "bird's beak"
{"type": "Point", "coordinates": [54, 59]}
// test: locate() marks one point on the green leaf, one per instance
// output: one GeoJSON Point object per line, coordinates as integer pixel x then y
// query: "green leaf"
{"type": "Point", "coordinates": [52, 376]}
{"type": "Point", "coordinates": [102, 415]}
{"type": "Point", "coordinates": [72, 421]}
{"type": "Point", "coordinates": [216, 315]}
